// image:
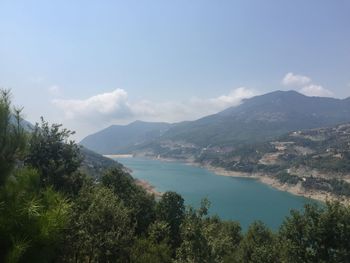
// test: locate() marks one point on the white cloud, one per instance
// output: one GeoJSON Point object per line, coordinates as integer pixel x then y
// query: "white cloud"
{"type": "Point", "coordinates": [106, 104]}
{"type": "Point", "coordinates": [234, 98]}
{"type": "Point", "coordinates": [291, 79]}
{"type": "Point", "coordinates": [190, 109]}
{"type": "Point", "coordinates": [305, 85]}
{"type": "Point", "coordinates": [315, 90]}
{"type": "Point", "coordinates": [115, 107]}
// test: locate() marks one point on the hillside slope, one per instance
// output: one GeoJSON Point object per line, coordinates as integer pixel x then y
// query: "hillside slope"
{"type": "Point", "coordinates": [262, 118]}
{"type": "Point", "coordinates": [95, 164]}
{"type": "Point", "coordinates": [258, 119]}
{"type": "Point", "coordinates": [118, 138]}
{"type": "Point", "coordinates": [316, 159]}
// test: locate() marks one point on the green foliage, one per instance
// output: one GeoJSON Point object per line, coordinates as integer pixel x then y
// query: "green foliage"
{"type": "Point", "coordinates": [53, 155]}
{"type": "Point", "coordinates": [329, 163]}
{"type": "Point", "coordinates": [50, 211]}
{"type": "Point", "coordinates": [31, 219]}
{"type": "Point", "coordinates": [194, 246]}
{"type": "Point", "coordinates": [158, 232]}
{"type": "Point", "coordinates": [206, 239]}
{"type": "Point", "coordinates": [340, 187]}
{"type": "Point", "coordinates": [12, 136]}
{"type": "Point", "coordinates": [317, 235]}
{"type": "Point", "coordinates": [287, 178]}
{"type": "Point", "coordinates": [258, 245]}
{"type": "Point", "coordinates": [141, 204]}
{"type": "Point", "coordinates": [223, 237]}
{"type": "Point", "coordinates": [171, 209]}
{"type": "Point", "coordinates": [100, 229]}
{"type": "Point", "coordinates": [335, 186]}
{"type": "Point", "coordinates": [147, 251]}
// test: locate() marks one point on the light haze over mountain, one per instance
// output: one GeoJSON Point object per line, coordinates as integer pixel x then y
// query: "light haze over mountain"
{"type": "Point", "coordinates": [260, 118]}
{"type": "Point", "coordinates": [90, 65]}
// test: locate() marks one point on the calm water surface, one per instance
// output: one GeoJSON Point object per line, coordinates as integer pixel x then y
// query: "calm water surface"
{"type": "Point", "coordinates": [241, 199]}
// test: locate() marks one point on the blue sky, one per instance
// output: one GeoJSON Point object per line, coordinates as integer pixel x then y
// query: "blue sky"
{"type": "Point", "coordinates": [90, 64]}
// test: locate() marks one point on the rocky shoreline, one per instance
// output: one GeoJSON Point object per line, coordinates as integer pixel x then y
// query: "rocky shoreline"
{"type": "Point", "coordinates": [148, 187]}
{"type": "Point", "coordinates": [297, 189]}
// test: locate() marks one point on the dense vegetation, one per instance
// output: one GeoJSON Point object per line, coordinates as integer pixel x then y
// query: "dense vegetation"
{"type": "Point", "coordinates": [50, 211]}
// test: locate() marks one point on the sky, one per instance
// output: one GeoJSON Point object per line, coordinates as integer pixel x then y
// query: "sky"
{"type": "Point", "coordinates": [90, 64]}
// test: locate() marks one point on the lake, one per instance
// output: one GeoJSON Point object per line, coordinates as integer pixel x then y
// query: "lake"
{"type": "Point", "coordinates": [240, 199]}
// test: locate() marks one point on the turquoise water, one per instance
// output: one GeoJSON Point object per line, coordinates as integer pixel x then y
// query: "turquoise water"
{"type": "Point", "coordinates": [240, 199]}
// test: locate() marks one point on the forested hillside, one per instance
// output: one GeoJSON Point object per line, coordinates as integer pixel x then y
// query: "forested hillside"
{"type": "Point", "coordinates": [52, 211]}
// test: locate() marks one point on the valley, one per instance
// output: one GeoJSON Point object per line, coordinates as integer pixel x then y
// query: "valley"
{"type": "Point", "coordinates": [290, 141]}
{"type": "Point", "coordinates": [175, 131]}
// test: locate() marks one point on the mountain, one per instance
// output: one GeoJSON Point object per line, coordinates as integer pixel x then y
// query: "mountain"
{"type": "Point", "coordinates": [262, 118]}
{"type": "Point", "coordinates": [326, 150]}
{"type": "Point", "coordinates": [26, 125]}
{"type": "Point", "coordinates": [257, 119]}
{"type": "Point", "coordinates": [116, 138]}
{"type": "Point", "coordinates": [316, 159]}
{"type": "Point", "coordinates": [95, 164]}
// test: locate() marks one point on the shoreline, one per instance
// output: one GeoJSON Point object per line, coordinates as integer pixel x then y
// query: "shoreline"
{"type": "Point", "coordinates": [296, 190]}
{"type": "Point", "coordinates": [148, 187]}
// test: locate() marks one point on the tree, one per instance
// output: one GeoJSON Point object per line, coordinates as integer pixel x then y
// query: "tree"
{"type": "Point", "coordinates": [147, 251]}
{"type": "Point", "coordinates": [223, 237]}
{"type": "Point", "coordinates": [205, 238]}
{"type": "Point", "coordinates": [140, 203]}
{"type": "Point", "coordinates": [55, 156]}
{"type": "Point", "coordinates": [194, 246]}
{"type": "Point", "coordinates": [101, 229]}
{"type": "Point", "coordinates": [257, 246]}
{"type": "Point", "coordinates": [32, 220]}
{"type": "Point", "coordinates": [320, 234]}
{"type": "Point", "coordinates": [12, 136]}
{"type": "Point", "coordinates": [159, 232]}
{"type": "Point", "coordinates": [171, 209]}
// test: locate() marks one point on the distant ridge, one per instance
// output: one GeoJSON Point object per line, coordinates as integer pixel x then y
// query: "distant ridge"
{"type": "Point", "coordinates": [259, 118]}
{"type": "Point", "coordinates": [26, 125]}
{"type": "Point", "coordinates": [263, 117]}
{"type": "Point", "coordinates": [115, 138]}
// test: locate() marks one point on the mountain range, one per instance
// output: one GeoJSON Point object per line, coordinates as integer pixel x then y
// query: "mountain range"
{"type": "Point", "coordinates": [258, 119]}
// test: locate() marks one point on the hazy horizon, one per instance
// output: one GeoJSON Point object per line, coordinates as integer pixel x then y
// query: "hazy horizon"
{"type": "Point", "coordinates": [92, 64]}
